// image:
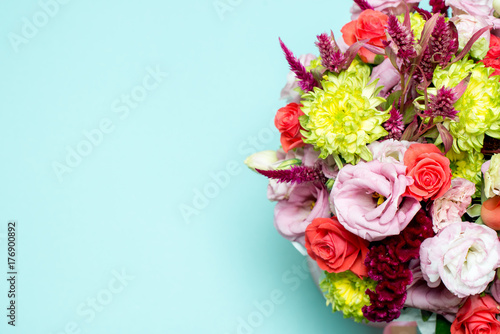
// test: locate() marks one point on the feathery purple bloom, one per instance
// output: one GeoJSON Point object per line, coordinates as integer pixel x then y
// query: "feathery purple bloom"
{"type": "Point", "coordinates": [296, 174]}
{"type": "Point", "coordinates": [402, 37]}
{"type": "Point", "coordinates": [443, 44]}
{"type": "Point", "coordinates": [306, 79]}
{"type": "Point", "coordinates": [395, 124]}
{"type": "Point", "coordinates": [363, 4]}
{"type": "Point", "coordinates": [331, 57]}
{"type": "Point", "coordinates": [442, 104]}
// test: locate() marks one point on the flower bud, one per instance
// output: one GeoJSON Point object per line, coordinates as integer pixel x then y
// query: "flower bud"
{"type": "Point", "coordinates": [261, 160]}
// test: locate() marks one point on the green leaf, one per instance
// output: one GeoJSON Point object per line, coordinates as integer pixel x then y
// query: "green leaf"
{"type": "Point", "coordinates": [425, 315]}
{"type": "Point", "coordinates": [442, 325]}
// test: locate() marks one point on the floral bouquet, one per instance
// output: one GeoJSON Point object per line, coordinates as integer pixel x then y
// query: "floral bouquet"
{"type": "Point", "coordinates": [388, 175]}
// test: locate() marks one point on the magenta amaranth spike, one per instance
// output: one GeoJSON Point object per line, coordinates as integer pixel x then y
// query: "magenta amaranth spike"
{"type": "Point", "coordinates": [442, 103]}
{"type": "Point", "coordinates": [296, 174]}
{"type": "Point", "coordinates": [306, 79]}
{"type": "Point", "coordinates": [363, 4]}
{"type": "Point", "coordinates": [402, 37]}
{"type": "Point", "coordinates": [331, 56]}
{"type": "Point", "coordinates": [439, 6]}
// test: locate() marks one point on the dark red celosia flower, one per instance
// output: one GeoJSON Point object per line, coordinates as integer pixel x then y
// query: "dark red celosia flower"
{"type": "Point", "coordinates": [296, 174]}
{"type": "Point", "coordinates": [388, 263]}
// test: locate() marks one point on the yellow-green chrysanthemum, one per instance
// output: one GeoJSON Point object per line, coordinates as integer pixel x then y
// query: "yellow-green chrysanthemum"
{"type": "Point", "coordinates": [342, 117]}
{"type": "Point", "coordinates": [467, 166]}
{"type": "Point", "coordinates": [346, 292]}
{"type": "Point", "coordinates": [478, 108]}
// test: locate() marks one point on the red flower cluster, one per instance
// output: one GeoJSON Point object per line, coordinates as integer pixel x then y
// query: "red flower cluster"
{"type": "Point", "coordinates": [492, 58]}
{"type": "Point", "coordinates": [387, 262]}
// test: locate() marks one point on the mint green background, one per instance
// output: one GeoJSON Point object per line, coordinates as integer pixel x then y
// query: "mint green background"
{"type": "Point", "coordinates": [119, 209]}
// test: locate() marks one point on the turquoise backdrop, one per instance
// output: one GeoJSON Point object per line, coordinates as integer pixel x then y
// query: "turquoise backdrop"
{"type": "Point", "coordinates": [124, 129]}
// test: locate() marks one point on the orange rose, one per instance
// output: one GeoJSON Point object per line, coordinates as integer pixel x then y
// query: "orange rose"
{"type": "Point", "coordinates": [477, 316]}
{"type": "Point", "coordinates": [490, 213]}
{"type": "Point", "coordinates": [287, 122]}
{"type": "Point", "coordinates": [370, 25]}
{"type": "Point", "coordinates": [334, 248]}
{"type": "Point", "coordinates": [430, 171]}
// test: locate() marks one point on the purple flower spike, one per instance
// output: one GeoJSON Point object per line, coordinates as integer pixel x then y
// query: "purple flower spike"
{"type": "Point", "coordinates": [363, 4]}
{"type": "Point", "coordinates": [395, 125]}
{"type": "Point", "coordinates": [306, 79]}
{"type": "Point", "coordinates": [442, 103]}
{"type": "Point", "coordinates": [439, 6]}
{"type": "Point", "coordinates": [296, 174]}
{"type": "Point", "coordinates": [331, 56]}
{"type": "Point", "coordinates": [403, 39]}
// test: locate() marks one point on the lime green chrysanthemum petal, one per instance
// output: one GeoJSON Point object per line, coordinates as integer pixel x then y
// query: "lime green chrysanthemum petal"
{"type": "Point", "coordinates": [346, 292]}
{"type": "Point", "coordinates": [467, 166]}
{"type": "Point", "coordinates": [478, 108]}
{"type": "Point", "coordinates": [342, 117]}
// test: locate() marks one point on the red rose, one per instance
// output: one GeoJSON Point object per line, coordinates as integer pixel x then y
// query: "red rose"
{"type": "Point", "coordinates": [492, 58]}
{"type": "Point", "coordinates": [430, 171]}
{"type": "Point", "coordinates": [287, 122]}
{"type": "Point", "coordinates": [334, 248]}
{"type": "Point", "coordinates": [477, 316]}
{"type": "Point", "coordinates": [370, 25]}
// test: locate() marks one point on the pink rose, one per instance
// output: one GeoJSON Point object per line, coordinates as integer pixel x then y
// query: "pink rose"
{"type": "Point", "coordinates": [477, 316]}
{"type": "Point", "coordinates": [306, 201]}
{"type": "Point", "coordinates": [394, 7]}
{"type": "Point", "coordinates": [463, 256]}
{"type": "Point", "coordinates": [450, 207]}
{"type": "Point", "coordinates": [334, 248]}
{"type": "Point", "coordinates": [368, 199]}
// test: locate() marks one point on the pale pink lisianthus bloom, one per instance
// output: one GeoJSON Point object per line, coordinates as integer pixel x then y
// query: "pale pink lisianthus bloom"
{"type": "Point", "coordinates": [305, 202]}
{"type": "Point", "coordinates": [368, 199]}
{"type": "Point", "coordinates": [389, 150]}
{"type": "Point", "coordinates": [449, 208]}
{"type": "Point", "coordinates": [438, 300]}
{"type": "Point", "coordinates": [388, 76]}
{"type": "Point", "coordinates": [394, 7]}
{"type": "Point", "coordinates": [477, 8]}
{"type": "Point", "coordinates": [463, 256]}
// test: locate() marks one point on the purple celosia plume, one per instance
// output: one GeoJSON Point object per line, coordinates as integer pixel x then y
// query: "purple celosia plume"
{"type": "Point", "coordinates": [439, 6]}
{"type": "Point", "coordinates": [296, 174]}
{"type": "Point", "coordinates": [443, 44]}
{"type": "Point", "coordinates": [395, 124]}
{"type": "Point", "coordinates": [402, 37]}
{"type": "Point", "coordinates": [442, 103]}
{"type": "Point", "coordinates": [331, 56]}
{"type": "Point", "coordinates": [306, 79]}
{"type": "Point", "coordinates": [363, 4]}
